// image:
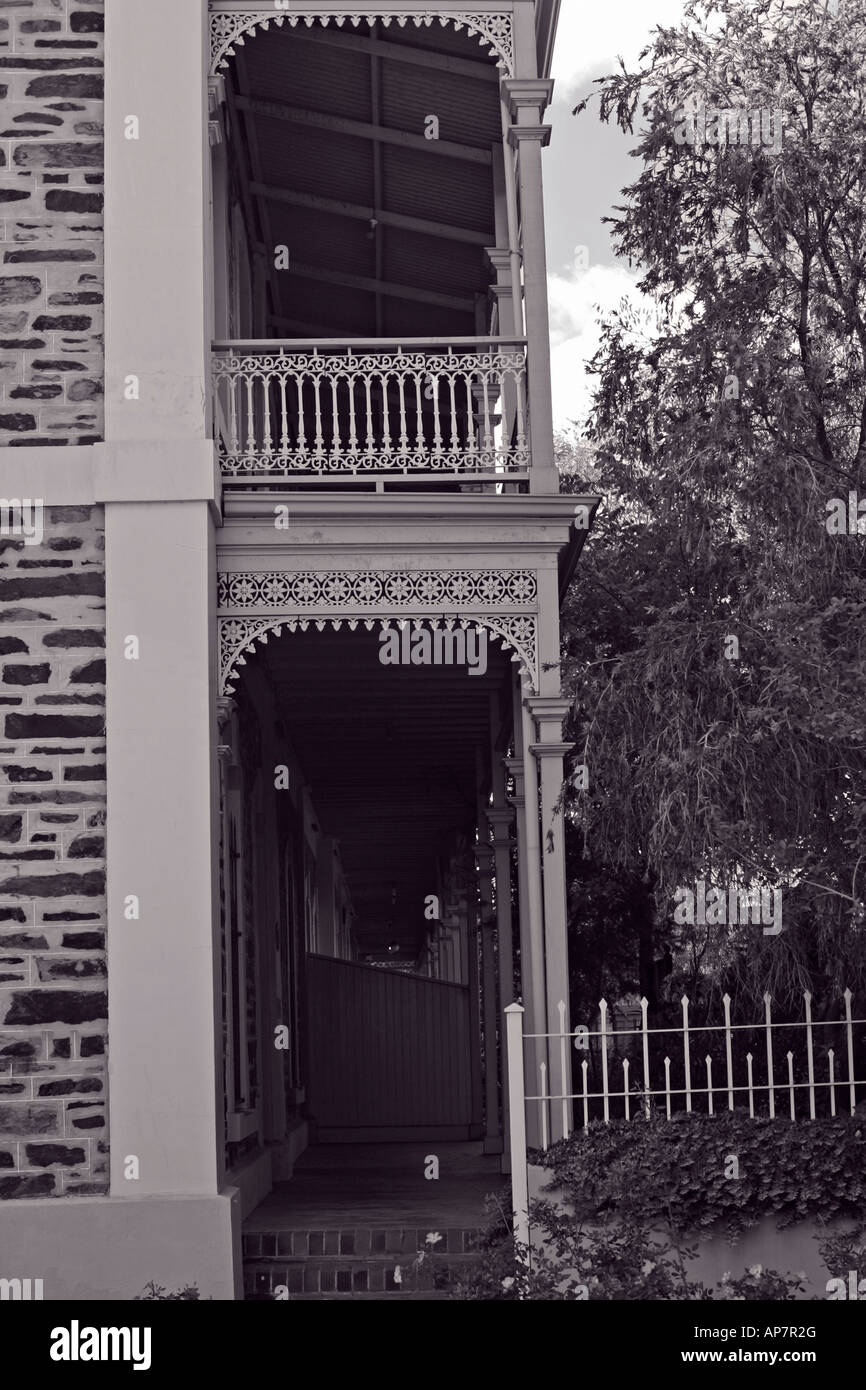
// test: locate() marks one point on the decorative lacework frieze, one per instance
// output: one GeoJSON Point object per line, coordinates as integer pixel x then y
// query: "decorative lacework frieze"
{"type": "Point", "coordinates": [227, 28]}
{"type": "Point", "coordinates": [238, 636]}
{"type": "Point", "coordinates": [390, 590]}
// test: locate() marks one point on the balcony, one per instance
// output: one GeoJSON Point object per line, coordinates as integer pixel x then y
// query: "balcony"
{"type": "Point", "coordinates": [450, 410]}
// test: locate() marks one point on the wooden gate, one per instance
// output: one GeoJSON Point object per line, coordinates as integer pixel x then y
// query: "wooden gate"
{"type": "Point", "coordinates": [389, 1055]}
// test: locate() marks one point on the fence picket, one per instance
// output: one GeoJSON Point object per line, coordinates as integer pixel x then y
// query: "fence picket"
{"type": "Point", "coordinates": [726, 1000]}
{"type": "Point", "coordinates": [831, 1058]}
{"type": "Point", "coordinates": [602, 1008]}
{"type": "Point", "coordinates": [686, 1060]}
{"type": "Point", "coordinates": [851, 1091]}
{"type": "Point", "coordinates": [668, 1086]}
{"type": "Point", "coordinates": [810, 1056]}
{"type": "Point", "coordinates": [644, 1004]}
{"type": "Point", "coordinates": [709, 1084]}
{"type": "Point", "coordinates": [751, 1095]}
{"type": "Point", "coordinates": [769, 1028]}
{"type": "Point", "coordinates": [625, 1085]}
{"type": "Point", "coordinates": [791, 1082]}
{"type": "Point", "coordinates": [563, 1067]}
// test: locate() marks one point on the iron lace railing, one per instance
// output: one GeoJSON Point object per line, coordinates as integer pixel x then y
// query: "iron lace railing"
{"type": "Point", "coordinates": [450, 407]}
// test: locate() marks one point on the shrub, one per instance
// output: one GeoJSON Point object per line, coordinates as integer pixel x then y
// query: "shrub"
{"type": "Point", "coordinates": [675, 1170]}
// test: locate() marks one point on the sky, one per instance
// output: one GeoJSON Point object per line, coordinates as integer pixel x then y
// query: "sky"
{"type": "Point", "coordinates": [585, 167]}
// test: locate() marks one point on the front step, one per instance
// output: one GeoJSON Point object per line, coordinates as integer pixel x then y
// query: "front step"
{"type": "Point", "coordinates": [380, 1263]}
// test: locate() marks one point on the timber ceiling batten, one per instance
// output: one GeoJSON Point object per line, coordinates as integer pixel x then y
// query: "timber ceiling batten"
{"type": "Point", "coordinates": [227, 29]}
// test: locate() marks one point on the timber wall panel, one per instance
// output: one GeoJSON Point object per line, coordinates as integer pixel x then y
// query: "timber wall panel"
{"type": "Point", "coordinates": [386, 1051]}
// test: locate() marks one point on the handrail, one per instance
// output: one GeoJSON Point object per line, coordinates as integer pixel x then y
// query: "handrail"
{"type": "Point", "coordinates": [269, 344]}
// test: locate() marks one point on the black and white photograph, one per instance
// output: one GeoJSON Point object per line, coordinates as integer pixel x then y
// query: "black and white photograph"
{"type": "Point", "coordinates": [432, 676]}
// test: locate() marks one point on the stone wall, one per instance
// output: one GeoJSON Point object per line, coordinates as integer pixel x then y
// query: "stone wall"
{"type": "Point", "coordinates": [51, 175]}
{"type": "Point", "coordinates": [53, 1003]}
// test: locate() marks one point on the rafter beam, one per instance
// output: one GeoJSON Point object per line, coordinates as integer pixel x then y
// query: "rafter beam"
{"type": "Point", "coordinates": [338, 208]}
{"type": "Point", "coordinates": [296, 115]}
{"type": "Point", "coordinates": [483, 69]}
{"type": "Point", "coordinates": [463, 304]}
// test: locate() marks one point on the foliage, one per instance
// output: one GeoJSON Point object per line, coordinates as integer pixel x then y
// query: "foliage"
{"type": "Point", "coordinates": [154, 1292]}
{"type": "Point", "coordinates": [759, 1285]}
{"type": "Point", "coordinates": [675, 1170]}
{"type": "Point", "coordinates": [724, 421]}
{"type": "Point", "coordinates": [845, 1251]}
{"type": "Point", "coordinates": [621, 1261]}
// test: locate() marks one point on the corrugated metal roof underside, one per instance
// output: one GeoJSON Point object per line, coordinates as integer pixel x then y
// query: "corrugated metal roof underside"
{"type": "Point", "coordinates": [334, 73]}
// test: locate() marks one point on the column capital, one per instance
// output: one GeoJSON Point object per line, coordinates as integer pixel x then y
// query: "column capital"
{"type": "Point", "coordinates": [514, 767]}
{"type": "Point", "coordinates": [519, 134]}
{"type": "Point", "coordinates": [226, 706]}
{"type": "Point", "coordinates": [528, 94]}
{"type": "Point", "coordinates": [500, 261]}
{"type": "Point", "coordinates": [550, 750]}
{"type": "Point", "coordinates": [216, 93]}
{"type": "Point", "coordinates": [501, 822]}
{"type": "Point", "coordinates": [547, 709]}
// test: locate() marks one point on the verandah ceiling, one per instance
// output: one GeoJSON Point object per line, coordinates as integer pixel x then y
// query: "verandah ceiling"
{"type": "Point", "coordinates": [338, 117]}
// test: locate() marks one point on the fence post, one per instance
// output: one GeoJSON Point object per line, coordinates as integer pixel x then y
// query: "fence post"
{"type": "Point", "coordinates": [517, 1123]}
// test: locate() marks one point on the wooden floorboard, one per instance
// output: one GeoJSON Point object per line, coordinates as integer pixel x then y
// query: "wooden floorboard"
{"type": "Point", "coordinates": [338, 1186]}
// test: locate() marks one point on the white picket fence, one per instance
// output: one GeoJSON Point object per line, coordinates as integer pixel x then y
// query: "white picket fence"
{"type": "Point", "coordinates": [627, 1091]}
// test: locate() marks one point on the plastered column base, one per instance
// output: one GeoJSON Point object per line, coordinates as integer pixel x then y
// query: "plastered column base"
{"type": "Point", "coordinates": [102, 1249]}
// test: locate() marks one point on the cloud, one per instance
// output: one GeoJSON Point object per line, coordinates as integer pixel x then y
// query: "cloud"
{"type": "Point", "coordinates": [575, 301]}
{"type": "Point", "coordinates": [591, 36]}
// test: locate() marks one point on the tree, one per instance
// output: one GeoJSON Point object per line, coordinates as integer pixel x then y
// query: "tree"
{"type": "Point", "coordinates": [715, 647]}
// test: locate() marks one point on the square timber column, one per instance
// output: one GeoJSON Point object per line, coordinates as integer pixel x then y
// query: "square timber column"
{"type": "Point", "coordinates": [527, 99]}
{"type": "Point", "coordinates": [158, 481]}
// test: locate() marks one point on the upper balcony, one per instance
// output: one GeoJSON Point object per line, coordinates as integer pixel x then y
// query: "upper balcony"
{"type": "Point", "coordinates": [370, 264]}
{"type": "Point", "coordinates": [378, 411]}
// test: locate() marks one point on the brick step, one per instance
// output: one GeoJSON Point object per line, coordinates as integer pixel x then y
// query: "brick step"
{"type": "Point", "coordinates": [347, 1276]}
{"type": "Point", "coordinates": [354, 1241]}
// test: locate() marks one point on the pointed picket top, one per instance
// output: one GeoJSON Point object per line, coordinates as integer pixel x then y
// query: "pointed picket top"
{"type": "Point", "coordinates": [847, 996]}
{"type": "Point", "coordinates": [726, 999]}
{"type": "Point", "coordinates": [749, 1057]}
{"type": "Point", "coordinates": [685, 1000]}
{"type": "Point", "coordinates": [807, 995]}
{"type": "Point", "coordinates": [602, 1005]}
{"type": "Point", "coordinates": [667, 1061]}
{"type": "Point", "coordinates": [831, 1052]}
{"type": "Point", "coordinates": [790, 1056]}
{"type": "Point", "coordinates": [767, 998]}
{"type": "Point", "coordinates": [644, 1003]}
{"type": "Point", "coordinates": [561, 1007]}
{"type": "Point", "coordinates": [708, 1059]}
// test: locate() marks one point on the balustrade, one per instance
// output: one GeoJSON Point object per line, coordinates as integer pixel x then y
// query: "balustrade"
{"type": "Point", "coordinates": [420, 406]}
